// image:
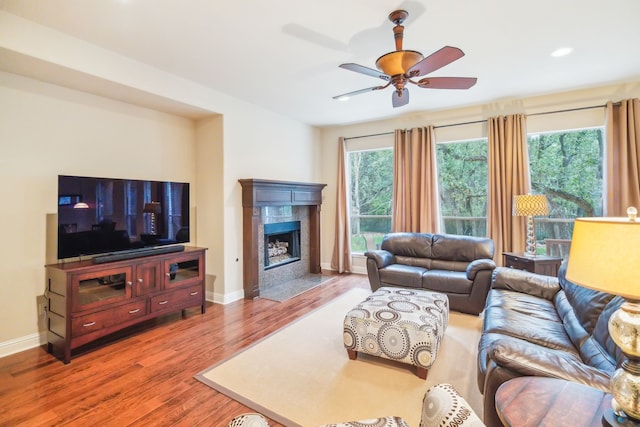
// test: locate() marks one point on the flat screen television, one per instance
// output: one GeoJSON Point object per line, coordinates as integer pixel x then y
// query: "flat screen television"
{"type": "Point", "coordinates": [108, 215]}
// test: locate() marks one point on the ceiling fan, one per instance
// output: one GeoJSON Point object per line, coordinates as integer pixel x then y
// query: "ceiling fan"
{"type": "Point", "coordinates": [399, 67]}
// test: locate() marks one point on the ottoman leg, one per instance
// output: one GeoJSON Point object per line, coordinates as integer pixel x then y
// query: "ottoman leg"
{"type": "Point", "coordinates": [352, 354]}
{"type": "Point", "coordinates": [422, 372]}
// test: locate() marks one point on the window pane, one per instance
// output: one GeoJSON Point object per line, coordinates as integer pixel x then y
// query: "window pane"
{"type": "Point", "coordinates": [462, 180]}
{"type": "Point", "coordinates": [371, 187]}
{"type": "Point", "coordinates": [567, 167]}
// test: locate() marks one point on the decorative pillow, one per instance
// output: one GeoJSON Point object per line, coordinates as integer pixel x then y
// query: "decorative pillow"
{"type": "Point", "coordinates": [249, 420]}
{"type": "Point", "coordinates": [444, 407]}
{"type": "Point", "coordinates": [374, 422]}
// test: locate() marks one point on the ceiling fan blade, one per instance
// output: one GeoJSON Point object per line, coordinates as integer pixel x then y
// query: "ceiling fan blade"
{"type": "Point", "coordinates": [435, 61]}
{"type": "Point", "coordinates": [365, 70]}
{"type": "Point", "coordinates": [447, 82]}
{"type": "Point", "coordinates": [400, 100]}
{"type": "Point", "coordinates": [345, 96]}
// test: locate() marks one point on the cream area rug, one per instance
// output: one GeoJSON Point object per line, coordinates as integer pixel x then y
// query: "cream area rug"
{"type": "Point", "coordinates": [301, 375]}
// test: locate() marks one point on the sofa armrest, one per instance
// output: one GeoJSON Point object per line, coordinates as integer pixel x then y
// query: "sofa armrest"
{"type": "Point", "coordinates": [381, 257]}
{"type": "Point", "coordinates": [478, 265]}
{"type": "Point", "coordinates": [528, 359]}
{"type": "Point", "coordinates": [526, 282]}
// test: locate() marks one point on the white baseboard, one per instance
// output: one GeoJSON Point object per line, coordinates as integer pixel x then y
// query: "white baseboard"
{"type": "Point", "coordinates": [219, 298]}
{"type": "Point", "coordinates": [355, 269]}
{"type": "Point", "coordinates": [23, 343]}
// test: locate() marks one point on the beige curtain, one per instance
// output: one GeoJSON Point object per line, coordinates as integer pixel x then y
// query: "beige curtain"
{"type": "Point", "coordinates": [623, 157]}
{"type": "Point", "coordinates": [415, 183]}
{"type": "Point", "coordinates": [508, 176]}
{"type": "Point", "coordinates": [341, 259]}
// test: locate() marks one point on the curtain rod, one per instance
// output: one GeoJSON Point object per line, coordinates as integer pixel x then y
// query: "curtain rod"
{"type": "Point", "coordinates": [484, 121]}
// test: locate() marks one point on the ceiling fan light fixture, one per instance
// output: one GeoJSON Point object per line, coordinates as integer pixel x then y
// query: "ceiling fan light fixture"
{"type": "Point", "coordinates": [398, 62]}
{"type": "Point", "coordinates": [399, 67]}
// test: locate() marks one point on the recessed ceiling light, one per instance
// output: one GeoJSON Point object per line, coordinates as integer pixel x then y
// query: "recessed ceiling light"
{"type": "Point", "coordinates": [563, 51]}
{"type": "Point", "coordinates": [342, 98]}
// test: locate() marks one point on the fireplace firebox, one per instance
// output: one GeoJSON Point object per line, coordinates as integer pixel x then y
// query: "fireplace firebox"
{"type": "Point", "coordinates": [281, 243]}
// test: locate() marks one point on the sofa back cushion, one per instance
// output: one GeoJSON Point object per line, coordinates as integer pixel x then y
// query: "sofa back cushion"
{"type": "Point", "coordinates": [414, 245]}
{"type": "Point", "coordinates": [587, 304]}
{"type": "Point", "coordinates": [585, 314]}
{"type": "Point", "coordinates": [461, 248]}
{"type": "Point", "coordinates": [446, 247]}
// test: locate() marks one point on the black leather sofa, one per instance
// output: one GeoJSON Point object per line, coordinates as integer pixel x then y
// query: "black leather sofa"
{"type": "Point", "coordinates": [459, 266]}
{"type": "Point", "coordinates": [538, 325]}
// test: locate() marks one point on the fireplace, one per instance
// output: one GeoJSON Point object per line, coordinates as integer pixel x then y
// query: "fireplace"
{"type": "Point", "coordinates": [267, 204]}
{"type": "Point", "coordinates": [281, 244]}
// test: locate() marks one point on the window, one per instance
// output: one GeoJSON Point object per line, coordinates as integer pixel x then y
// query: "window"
{"type": "Point", "coordinates": [463, 186]}
{"type": "Point", "coordinates": [567, 167]}
{"type": "Point", "coordinates": [370, 174]}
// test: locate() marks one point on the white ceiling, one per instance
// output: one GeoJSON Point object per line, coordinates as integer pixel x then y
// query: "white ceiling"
{"type": "Point", "coordinates": [284, 54]}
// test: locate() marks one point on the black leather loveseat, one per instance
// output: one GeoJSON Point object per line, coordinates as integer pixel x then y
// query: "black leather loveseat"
{"type": "Point", "coordinates": [538, 325]}
{"type": "Point", "coordinates": [459, 266]}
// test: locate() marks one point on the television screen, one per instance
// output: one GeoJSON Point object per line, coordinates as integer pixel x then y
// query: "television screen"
{"type": "Point", "coordinates": [105, 215]}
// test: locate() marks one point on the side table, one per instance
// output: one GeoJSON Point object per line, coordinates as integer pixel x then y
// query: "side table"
{"type": "Point", "coordinates": [550, 402]}
{"type": "Point", "coordinates": [541, 264]}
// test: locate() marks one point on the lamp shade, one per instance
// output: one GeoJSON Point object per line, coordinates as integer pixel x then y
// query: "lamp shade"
{"type": "Point", "coordinates": [152, 207]}
{"type": "Point", "coordinates": [530, 205]}
{"type": "Point", "coordinates": [605, 255]}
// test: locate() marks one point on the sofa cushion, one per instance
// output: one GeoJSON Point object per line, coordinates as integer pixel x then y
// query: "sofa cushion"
{"type": "Point", "coordinates": [530, 359]}
{"type": "Point", "coordinates": [417, 262]}
{"type": "Point", "coordinates": [525, 282]}
{"type": "Point", "coordinates": [587, 304]}
{"type": "Point", "coordinates": [461, 248]}
{"type": "Point", "coordinates": [527, 317]}
{"type": "Point", "coordinates": [451, 282]}
{"type": "Point", "coordinates": [415, 245]}
{"type": "Point", "coordinates": [402, 275]}
{"type": "Point", "coordinates": [439, 264]}
{"type": "Point", "coordinates": [599, 350]}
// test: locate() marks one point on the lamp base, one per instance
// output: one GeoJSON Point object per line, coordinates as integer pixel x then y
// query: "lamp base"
{"type": "Point", "coordinates": [610, 419]}
{"type": "Point", "coordinates": [531, 237]}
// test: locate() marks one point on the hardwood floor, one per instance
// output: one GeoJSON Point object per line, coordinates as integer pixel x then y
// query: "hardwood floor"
{"type": "Point", "coordinates": [144, 377]}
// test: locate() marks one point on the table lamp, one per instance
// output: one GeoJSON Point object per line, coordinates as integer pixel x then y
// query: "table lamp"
{"type": "Point", "coordinates": [530, 205]}
{"type": "Point", "coordinates": [605, 257]}
{"type": "Point", "coordinates": [154, 209]}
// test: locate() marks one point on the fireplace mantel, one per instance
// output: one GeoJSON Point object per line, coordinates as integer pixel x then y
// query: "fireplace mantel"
{"type": "Point", "coordinates": [257, 193]}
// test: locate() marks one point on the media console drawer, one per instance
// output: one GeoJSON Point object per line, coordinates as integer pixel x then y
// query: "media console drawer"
{"type": "Point", "coordinates": [84, 324]}
{"type": "Point", "coordinates": [178, 299]}
{"type": "Point", "coordinates": [88, 301]}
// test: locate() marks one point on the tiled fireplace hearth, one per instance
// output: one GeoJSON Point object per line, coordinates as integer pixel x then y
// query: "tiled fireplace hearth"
{"type": "Point", "coordinates": [281, 232]}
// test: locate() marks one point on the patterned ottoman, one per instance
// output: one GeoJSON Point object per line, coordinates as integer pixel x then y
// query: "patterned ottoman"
{"type": "Point", "coordinates": [406, 325]}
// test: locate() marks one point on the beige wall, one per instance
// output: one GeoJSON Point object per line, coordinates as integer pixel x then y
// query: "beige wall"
{"type": "Point", "coordinates": [46, 131]}
{"type": "Point", "coordinates": [530, 106]}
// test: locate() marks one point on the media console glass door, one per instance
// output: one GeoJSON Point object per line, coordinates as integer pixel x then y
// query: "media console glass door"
{"type": "Point", "coordinates": [99, 288]}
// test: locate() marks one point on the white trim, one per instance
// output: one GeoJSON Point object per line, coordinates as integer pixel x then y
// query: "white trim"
{"type": "Point", "coordinates": [23, 343]}
{"type": "Point", "coordinates": [359, 270]}
{"type": "Point", "coordinates": [354, 268]}
{"type": "Point", "coordinates": [219, 298]}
